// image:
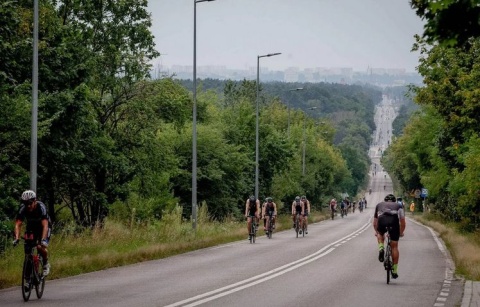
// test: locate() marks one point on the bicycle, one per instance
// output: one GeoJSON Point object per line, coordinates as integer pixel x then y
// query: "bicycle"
{"type": "Point", "coordinates": [297, 222]}
{"type": "Point", "coordinates": [270, 226]}
{"type": "Point", "coordinates": [32, 273]}
{"type": "Point", "coordinates": [387, 260]}
{"type": "Point", "coordinates": [253, 230]}
{"type": "Point", "coordinates": [332, 213]}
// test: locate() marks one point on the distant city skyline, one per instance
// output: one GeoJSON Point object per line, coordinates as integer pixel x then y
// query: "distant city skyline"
{"type": "Point", "coordinates": [344, 75]}
{"type": "Point", "coordinates": [309, 33]}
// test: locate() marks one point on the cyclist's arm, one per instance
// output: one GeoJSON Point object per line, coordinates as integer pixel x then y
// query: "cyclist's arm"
{"type": "Point", "coordinates": [274, 209]}
{"type": "Point", "coordinates": [293, 208]}
{"type": "Point", "coordinates": [258, 208]}
{"type": "Point", "coordinates": [308, 204]}
{"type": "Point", "coordinates": [18, 226]}
{"type": "Point", "coordinates": [45, 229]}
{"type": "Point", "coordinates": [246, 208]}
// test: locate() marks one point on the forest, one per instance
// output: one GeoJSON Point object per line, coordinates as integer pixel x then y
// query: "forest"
{"type": "Point", "coordinates": [112, 140]}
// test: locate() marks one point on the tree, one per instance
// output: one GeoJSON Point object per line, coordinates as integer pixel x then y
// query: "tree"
{"type": "Point", "coordinates": [449, 22]}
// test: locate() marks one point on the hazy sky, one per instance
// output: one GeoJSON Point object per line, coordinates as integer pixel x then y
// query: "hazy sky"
{"type": "Point", "coordinates": [308, 33]}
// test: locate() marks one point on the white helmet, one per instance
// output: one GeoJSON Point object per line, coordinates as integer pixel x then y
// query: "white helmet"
{"type": "Point", "coordinates": [28, 194]}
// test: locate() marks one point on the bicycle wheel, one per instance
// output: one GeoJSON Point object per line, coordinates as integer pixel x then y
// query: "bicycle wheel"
{"type": "Point", "coordinates": [40, 279]}
{"type": "Point", "coordinates": [27, 278]}
{"type": "Point", "coordinates": [303, 229]}
{"type": "Point", "coordinates": [388, 263]}
{"type": "Point", "coordinates": [297, 227]}
{"type": "Point", "coordinates": [270, 228]}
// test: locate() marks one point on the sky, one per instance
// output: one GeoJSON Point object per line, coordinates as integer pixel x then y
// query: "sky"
{"type": "Point", "coordinates": [309, 33]}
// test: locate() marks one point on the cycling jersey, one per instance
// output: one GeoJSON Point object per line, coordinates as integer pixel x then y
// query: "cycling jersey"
{"type": "Point", "coordinates": [389, 215]}
{"type": "Point", "coordinates": [34, 219]}
{"type": "Point", "coordinates": [298, 207]}
{"type": "Point", "coordinates": [269, 209]}
{"type": "Point", "coordinates": [252, 207]}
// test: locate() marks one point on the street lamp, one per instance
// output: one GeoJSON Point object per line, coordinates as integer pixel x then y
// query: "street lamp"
{"type": "Point", "coordinates": [34, 137]}
{"type": "Point", "coordinates": [256, 125]}
{"type": "Point", "coordinates": [288, 106]}
{"type": "Point", "coordinates": [194, 124]}
{"type": "Point", "coordinates": [305, 139]}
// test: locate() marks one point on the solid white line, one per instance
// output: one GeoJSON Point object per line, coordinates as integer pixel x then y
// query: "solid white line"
{"type": "Point", "coordinates": [262, 277]}
{"type": "Point", "coordinates": [211, 298]}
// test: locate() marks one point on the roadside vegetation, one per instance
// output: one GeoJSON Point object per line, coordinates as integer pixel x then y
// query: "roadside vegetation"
{"type": "Point", "coordinates": [463, 246]}
{"type": "Point", "coordinates": [116, 243]}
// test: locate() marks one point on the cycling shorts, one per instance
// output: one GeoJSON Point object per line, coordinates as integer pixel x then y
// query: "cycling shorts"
{"type": "Point", "coordinates": [392, 221]}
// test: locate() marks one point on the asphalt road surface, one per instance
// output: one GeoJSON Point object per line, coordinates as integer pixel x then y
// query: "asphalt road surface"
{"type": "Point", "coordinates": [334, 265]}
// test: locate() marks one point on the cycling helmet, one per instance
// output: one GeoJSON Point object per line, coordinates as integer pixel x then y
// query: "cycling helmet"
{"type": "Point", "coordinates": [28, 194]}
{"type": "Point", "coordinates": [252, 198]}
{"type": "Point", "coordinates": [390, 198]}
{"type": "Point", "coordinates": [269, 199]}
{"type": "Point", "coordinates": [297, 199]}
{"type": "Point", "coordinates": [304, 197]}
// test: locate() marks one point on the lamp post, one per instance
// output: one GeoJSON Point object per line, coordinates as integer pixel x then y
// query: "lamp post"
{"type": "Point", "coordinates": [256, 122]}
{"type": "Point", "coordinates": [288, 106]}
{"type": "Point", "coordinates": [194, 124]}
{"type": "Point", "coordinates": [305, 139]}
{"type": "Point", "coordinates": [34, 137]}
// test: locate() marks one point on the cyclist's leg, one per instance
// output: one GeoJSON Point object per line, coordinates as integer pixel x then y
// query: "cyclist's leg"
{"type": "Point", "coordinates": [249, 224]}
{"type": "Point", "coordinates": [267, 222]}
{"type": "Point", "coordinates": [305, 221]}
{"type": "Point", "coordinates": [395, 252]}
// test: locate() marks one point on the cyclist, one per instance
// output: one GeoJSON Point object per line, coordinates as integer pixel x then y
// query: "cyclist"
{"type": "Point", "coordinates": [342, 208]}
{"type": "Point", "coordinates": [297, 208]}
{"type": "Point", "coordinates": [252, 210]}
{"type": "Point", "coordinates": [269, 212]}
{"type": "Point", "coordinates": [333, 205]}
{"type": "Point", "coordinates": [38, 224]}
{"type": "Point", "coordinates": [306, 211]}
{"type": "Point", "coordinates": [389, 214]}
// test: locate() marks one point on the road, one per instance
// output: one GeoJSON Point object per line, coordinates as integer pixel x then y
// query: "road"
{"type": "Point", "coordinates": [334, 265]}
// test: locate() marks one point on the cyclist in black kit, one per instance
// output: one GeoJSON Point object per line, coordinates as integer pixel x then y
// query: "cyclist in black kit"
{"type": "Point", "coordinates": [252, 212]}
{"type": "Point", "coordinates": [389, 214]}
{"type": "Point", "coordinates": [297, 208]}
{"type": "Point", "coordinates": [38, 224]}
{"type": "Point", "coordinates": [269, 212]}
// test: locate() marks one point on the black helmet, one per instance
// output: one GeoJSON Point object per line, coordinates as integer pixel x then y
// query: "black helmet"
{"type": "Point", "coordinates": [269, 199]}
{"type": "Point", "coordinates": [390, 198]}
{"type": "Point", "coordinates": [252, 198]}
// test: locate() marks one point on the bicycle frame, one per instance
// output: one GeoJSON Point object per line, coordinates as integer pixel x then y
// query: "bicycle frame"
{"type": "Point", "coordinates": [32, 274]}
{"type": "Point", "coordinates": [269, 225]}
{"type": "Point", "coordinates": [253, 230]}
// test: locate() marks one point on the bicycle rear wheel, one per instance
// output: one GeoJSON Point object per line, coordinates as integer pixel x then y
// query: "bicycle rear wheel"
{"type": "Point", "coordinates": [40, 279]}
{"type": "Point", "coordinates": [27, 278]}
{"type": "Point", "coordinates": [388, 263]}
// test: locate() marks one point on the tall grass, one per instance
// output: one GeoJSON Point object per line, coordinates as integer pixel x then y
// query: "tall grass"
{"type": "Point", "coordinates": [118, 243]}
{"type": "Point", "coordinates": [464, 247]}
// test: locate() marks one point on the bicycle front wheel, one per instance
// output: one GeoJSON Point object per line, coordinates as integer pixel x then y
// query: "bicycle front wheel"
{"type": "Point", "coordinates": [27, 278]}
{"type": "Point", "coordinates": [40, 284]}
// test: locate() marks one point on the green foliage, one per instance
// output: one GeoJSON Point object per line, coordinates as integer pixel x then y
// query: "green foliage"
{"type": "Point", "coordinates": [449, 22]}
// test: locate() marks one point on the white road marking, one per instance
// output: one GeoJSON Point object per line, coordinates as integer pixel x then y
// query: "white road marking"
{"type": "Point", "coordinates": [212, 295]}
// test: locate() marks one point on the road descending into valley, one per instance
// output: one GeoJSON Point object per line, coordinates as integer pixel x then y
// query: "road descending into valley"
{"type": "Point", "coordinates": [334, 265]}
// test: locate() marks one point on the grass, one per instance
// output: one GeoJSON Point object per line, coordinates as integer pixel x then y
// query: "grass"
{"type": "Point", "coordinates": [116, 244]}
{"type": "Point", "coordinates": [464, 247]}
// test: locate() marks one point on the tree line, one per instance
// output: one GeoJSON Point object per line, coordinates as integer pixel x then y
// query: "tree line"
{"type": "Point", "coordinates": [112, 141]}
